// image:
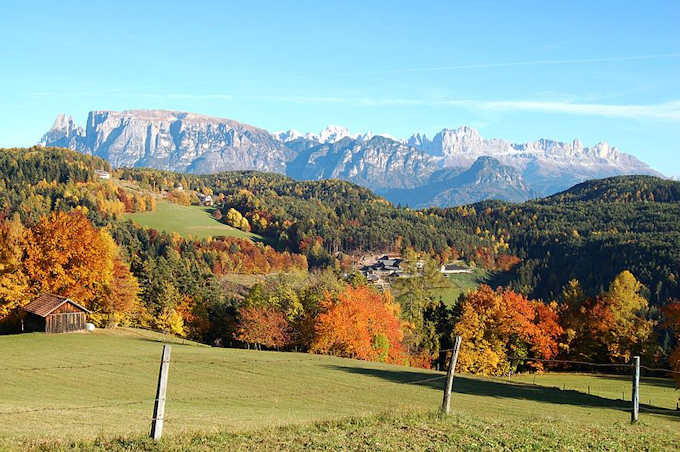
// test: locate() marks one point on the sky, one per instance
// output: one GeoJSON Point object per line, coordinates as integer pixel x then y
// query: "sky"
{"type": "Point", "coordinates": [597, 71]}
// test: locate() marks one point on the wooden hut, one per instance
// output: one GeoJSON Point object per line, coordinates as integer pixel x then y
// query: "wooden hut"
{"type": "Point", "coordinates": [54, 314]}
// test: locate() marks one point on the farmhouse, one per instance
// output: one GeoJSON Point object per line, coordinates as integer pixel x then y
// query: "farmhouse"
{"type": "Point", "coordinates": [384, 266]}
{"type": "Point", "coordinates": [206, 200]}
{"type": "Point", "coordinates": [54, 314]}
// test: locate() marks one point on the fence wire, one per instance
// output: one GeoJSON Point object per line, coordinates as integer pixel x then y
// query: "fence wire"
{"type": "Point", "coordinates": [340, 387]}
{"type": "Point", "coordinates": [71, 408]}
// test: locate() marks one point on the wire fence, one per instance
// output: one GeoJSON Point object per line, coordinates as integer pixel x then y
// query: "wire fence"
{"type": "Point", "coordinates": [337, 388]}
{"type": "Point", "coordinates": [584, 363]}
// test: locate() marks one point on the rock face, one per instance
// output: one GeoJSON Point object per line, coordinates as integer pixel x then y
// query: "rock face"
{"type": "Point", "coordinates": [487, 178]}
{"type": "Point", "coordinates": [171, 140]}
{"type": "Point", "coordinates": [548, 166]}
{"type": "Point", "coordinates": [377, 163]}
{"type": "Point", "coordinates": [66, 134]}
{"type": "Point", "coordinates": [451, 168]}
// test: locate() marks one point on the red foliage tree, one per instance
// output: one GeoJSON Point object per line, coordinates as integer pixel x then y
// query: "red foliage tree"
{"type": "Point", "coordinates": [671, 313]}
{"type": "Point", "coordinates": [265, 326]}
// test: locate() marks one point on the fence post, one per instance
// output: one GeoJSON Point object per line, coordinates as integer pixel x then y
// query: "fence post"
{"type": "Point", "coordinates": [446, 402]}
{"type": "Point", "coordinates": [159, 404]}
{"type": "Point", "coordinates": [635, 411]}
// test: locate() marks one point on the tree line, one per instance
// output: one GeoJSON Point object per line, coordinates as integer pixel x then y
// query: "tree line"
{"type": "Point", "coordinates": [130, 275]}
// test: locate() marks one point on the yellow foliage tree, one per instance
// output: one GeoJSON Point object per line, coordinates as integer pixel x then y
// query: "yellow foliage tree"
{"type": "Point", "coordinates": [67, 256]}
{"type": "Point", "coordinates": [13, 280]}
{"type": "Point", "coordinates": [630, 330]}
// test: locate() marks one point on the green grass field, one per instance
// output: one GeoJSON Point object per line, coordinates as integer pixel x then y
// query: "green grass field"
{"type": "Point", "coordinates": [460, 284]}
{"type": "Point", "coordinates": [95, 388]}
{"type": "Point", "coordinates": [194, 221]}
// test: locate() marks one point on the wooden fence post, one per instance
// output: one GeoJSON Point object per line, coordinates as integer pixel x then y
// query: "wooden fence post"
{"type": "Point", "coordinates": [159, 404]}
{"type": "Point", "coordinates": [446, 402]}
{"type": "Point", "coordinates": [635, 410]}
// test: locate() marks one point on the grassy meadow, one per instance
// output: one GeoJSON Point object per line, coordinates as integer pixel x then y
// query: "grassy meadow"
{"type": "Point", "coordinates": [99, 387]}
{"type": "Point", "coordinates": [194, 221]}
{"type": "Point", "coordinates": [461, 283]}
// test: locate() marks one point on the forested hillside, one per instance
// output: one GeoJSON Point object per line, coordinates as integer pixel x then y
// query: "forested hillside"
{"type": "Point", "coordinates": [591, 233]}
{"type": "Point", "coordinates": [321, 218]}
{"type": "Point", "coordinates": [589, 273]}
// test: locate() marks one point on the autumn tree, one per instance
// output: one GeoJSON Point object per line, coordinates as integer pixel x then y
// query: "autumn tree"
{"type": "Point", "coordinates": [359, 323]}
{"type": "Point", "coordinates": [631, 331]}
{"type": "Point", "coordinates": [262, 326]}
{"type": "Point", "coordinates": [66, 255]}
{"type": "Point", "coordinates": [121, 297]}
{"type": "Point", "coordinates": [499, 325]}
{"type": "Point", "coordinates": [235, 219]}
{"type": "Point", "coordinates": [671, 313]}
{"type": "Point", "coordinates": [13, 280]}
{"type": "Point", "coordinates": [613, 326]}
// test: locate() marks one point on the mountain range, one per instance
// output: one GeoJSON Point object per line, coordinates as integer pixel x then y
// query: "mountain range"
{"type": "Point", "coordinates": [455, 166]}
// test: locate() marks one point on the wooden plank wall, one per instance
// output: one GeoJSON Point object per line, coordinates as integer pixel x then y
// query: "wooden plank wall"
{"type": "Point", "coordinates": [66, 307]}
{"type": "Point", "coordinates": [65, 322]}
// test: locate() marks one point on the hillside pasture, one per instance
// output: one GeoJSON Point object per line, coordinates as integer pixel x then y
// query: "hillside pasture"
{"type": "Point", "coordinates": [79, 387]}
{"type": "Point", "coordinates": [194, 221]}
{"type": "Point", "coordinates": [461, 283]}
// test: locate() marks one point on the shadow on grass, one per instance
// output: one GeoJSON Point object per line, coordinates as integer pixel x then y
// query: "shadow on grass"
{"type": "Point", "coordinates": [511, 390]}
{"type": "Point", "coordinates": [651, 381]}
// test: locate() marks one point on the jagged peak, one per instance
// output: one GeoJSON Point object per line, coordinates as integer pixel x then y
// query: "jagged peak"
{"type": "Point", "coordinates": [462, 131]}
{"type": "Point", "coordinates": [63, 122]}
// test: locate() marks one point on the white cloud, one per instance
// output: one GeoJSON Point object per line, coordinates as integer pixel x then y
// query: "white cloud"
{"type": "Point", "coordinates": [666, 111]}
{"type": "Point", "coordinates": [662, 111]}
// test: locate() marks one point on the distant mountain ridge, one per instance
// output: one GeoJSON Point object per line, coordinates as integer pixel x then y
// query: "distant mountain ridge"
{"type": "Point", "coordinates": [171, 140]}
{"type": "Point", "coordinates": [548, 166]}
{"type": "Point", "coordinates": [456, 166]}
{"type": "Point", "coordinates": [487, 178]}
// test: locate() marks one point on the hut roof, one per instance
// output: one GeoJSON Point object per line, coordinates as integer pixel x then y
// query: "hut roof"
{"type": "Point", "coordinates": [47, 303]}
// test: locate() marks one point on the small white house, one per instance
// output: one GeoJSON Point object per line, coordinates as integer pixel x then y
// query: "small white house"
{"type": "Point", "coordinates": [452, 269]}
{"type": "Point", "coordinates": [103, 174]}
{"type": "Point", "coordinates": [206, 200]}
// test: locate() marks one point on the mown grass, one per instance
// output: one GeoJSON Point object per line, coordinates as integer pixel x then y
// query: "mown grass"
{"type": "Point", "coordinates": [194, 221]}
{"type": "Point", "coordinates": [461, 283]}
{"type": "Point", "coordinates": [96, 391]}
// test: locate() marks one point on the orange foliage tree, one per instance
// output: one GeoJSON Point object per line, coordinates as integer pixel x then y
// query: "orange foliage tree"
{"type": "Point", "coordinates": [671, 313]}
{"type": "Point", "coordinates": [498, 325]}
{"type": "Point", "coordinates": [68, 256]}
{"type": "Point", "coordinates": [359, 323]}
{"type": "Point", "coordinates": [121, 296]}
{"type": "Point", "coordinates": [610, 327]}
{"type": "Point", "coordinates": [265, 326]}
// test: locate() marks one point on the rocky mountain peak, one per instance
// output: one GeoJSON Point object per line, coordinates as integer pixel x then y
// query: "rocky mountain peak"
{"type": "Point", "coordinates": [171, 140]}
{"type": "Point", "coordinates": [333, 133]}
{"type": "Point", "coordinates": [191, 142]}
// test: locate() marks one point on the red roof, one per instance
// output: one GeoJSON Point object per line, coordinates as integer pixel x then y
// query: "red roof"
{"type": "Point", "coordinates": [47, 303]}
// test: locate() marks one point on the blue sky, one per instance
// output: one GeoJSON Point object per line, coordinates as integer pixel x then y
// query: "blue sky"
{"type": "Point", "coordinates": [516, 70]}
